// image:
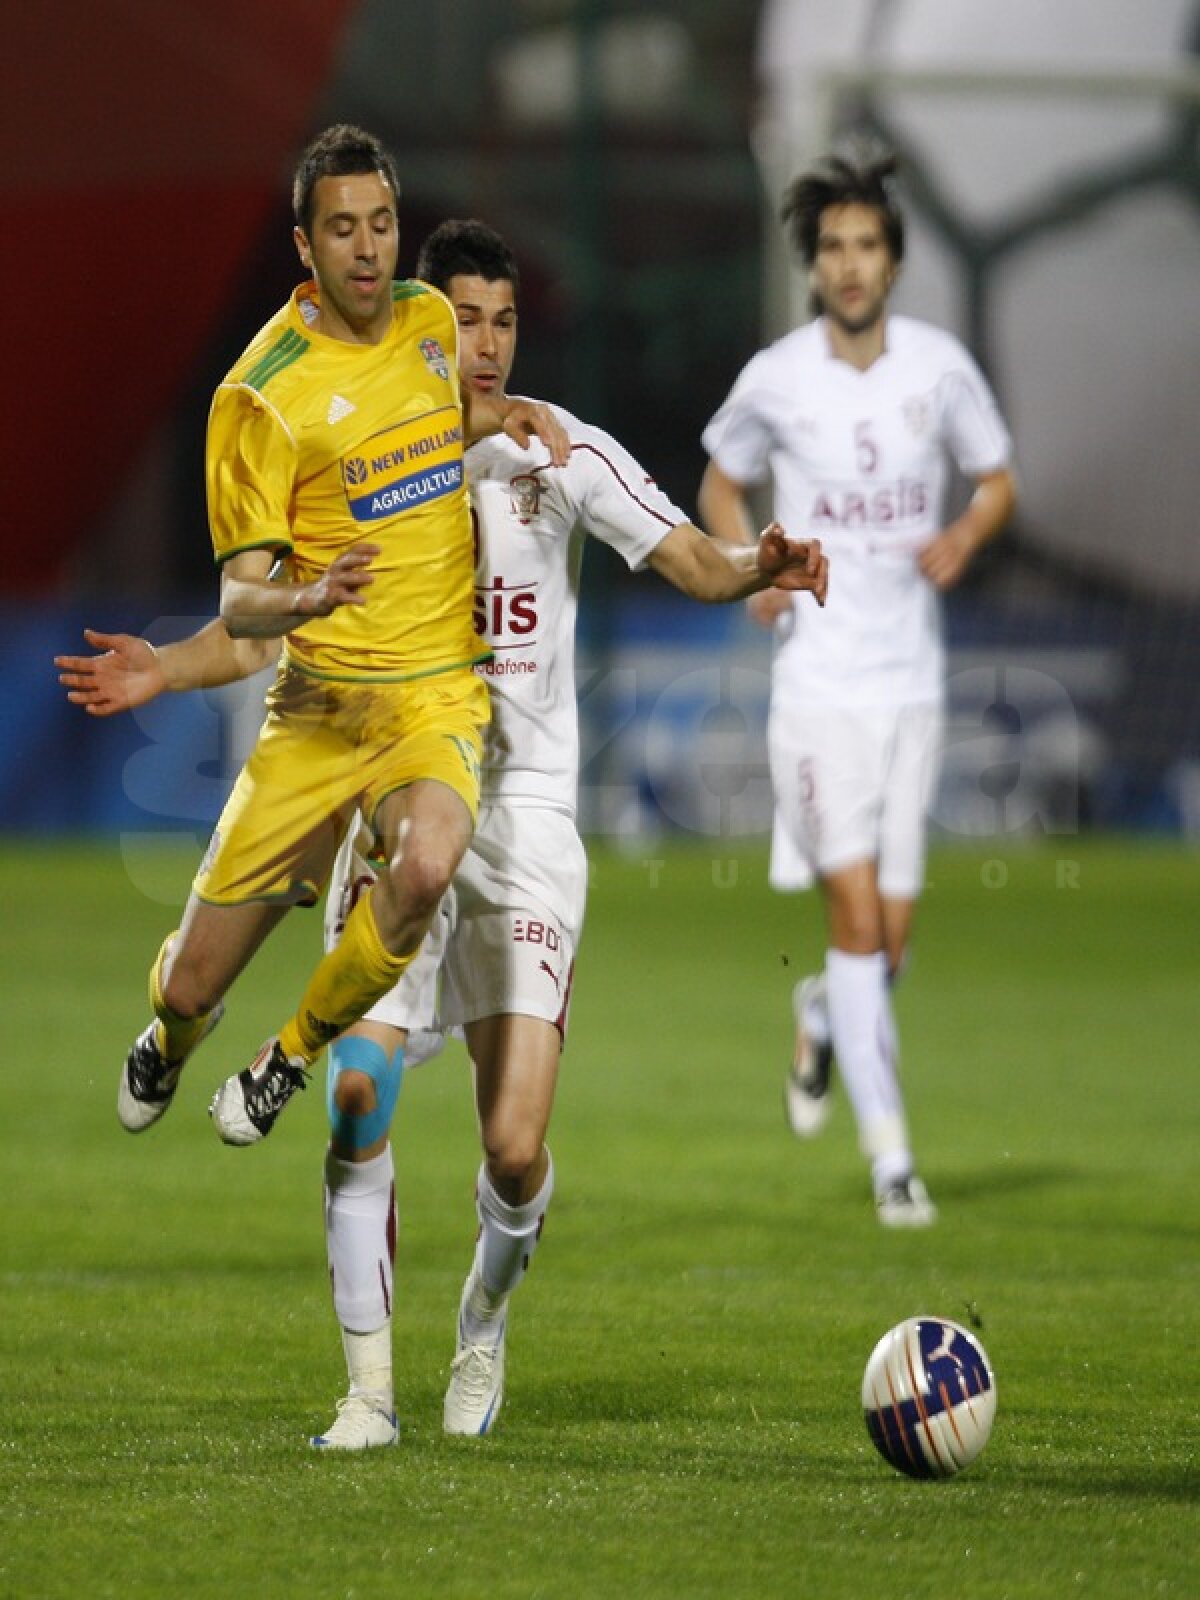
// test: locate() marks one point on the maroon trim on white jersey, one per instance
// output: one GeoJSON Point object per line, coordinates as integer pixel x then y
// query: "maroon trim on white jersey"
{"type": "Point", "coordinates": [650, 510]}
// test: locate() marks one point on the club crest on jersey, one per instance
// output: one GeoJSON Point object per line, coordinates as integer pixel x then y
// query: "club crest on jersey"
{"type": "Point", "coordinates": [434, 357]}
{"type": "Point", "coordinates": [525, 496]}
{"type": "Point", "coordinates": [917, 415]}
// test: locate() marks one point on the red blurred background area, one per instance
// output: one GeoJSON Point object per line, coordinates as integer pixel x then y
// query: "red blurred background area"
{"type": "Point", "coordinates": [130, 200]}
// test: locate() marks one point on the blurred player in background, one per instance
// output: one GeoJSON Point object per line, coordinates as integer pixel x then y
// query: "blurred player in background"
{"type": "Point", "coordinates": [514, 917]}
{"type": "Point", "coordinates": [335, 449]}
{"type": "Point", "coordinates": [851, 417]}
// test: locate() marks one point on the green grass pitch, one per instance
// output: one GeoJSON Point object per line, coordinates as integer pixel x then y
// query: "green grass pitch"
{"type": "Point", "coordinates": [682, 1415]}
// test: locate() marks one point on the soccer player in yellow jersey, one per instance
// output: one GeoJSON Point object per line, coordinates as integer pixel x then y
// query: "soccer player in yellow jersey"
{"type": "Point", "coordinates": [339, 517]}
{"type": "Point", "coordinates": [523, 869]}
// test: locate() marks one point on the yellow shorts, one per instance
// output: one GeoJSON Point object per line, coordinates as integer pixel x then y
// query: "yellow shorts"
{"type": "Point", "coordinates": [327, 750]}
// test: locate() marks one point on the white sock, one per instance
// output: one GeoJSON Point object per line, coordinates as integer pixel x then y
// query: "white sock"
{"type": "Point", "coordinates": [814, 1015]}
{"type": "Point", "coordinates": [369, 1363]}
{"type": "Point", "coordinates": [508, 1236]}
{"type": "Point", "coordinates": [360, 1240]}
{"type": "Point", "coordinates": [864, 1040]}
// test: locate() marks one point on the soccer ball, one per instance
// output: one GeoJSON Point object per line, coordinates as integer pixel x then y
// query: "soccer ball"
{"type": "Point", "coordinates": [929, 1397]}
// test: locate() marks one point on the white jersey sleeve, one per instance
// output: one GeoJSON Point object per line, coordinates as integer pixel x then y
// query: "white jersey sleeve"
{"type": "Point", "coordinates": [616, 499]}
{"type": "Point", "coordinates": [743, 434]}
{"type": "Point", "coordinates": [972, 426]}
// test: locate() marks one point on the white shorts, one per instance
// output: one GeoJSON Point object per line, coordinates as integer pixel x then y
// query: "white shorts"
{"type": "Point", "coordinates": [852, 783]}
{"type": "Point", "coordinates": [521, 893]}
{"type": "Point", "coordinates": [504, 938]}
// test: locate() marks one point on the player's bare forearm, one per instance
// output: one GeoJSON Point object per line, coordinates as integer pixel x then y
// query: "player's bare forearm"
{"type": "Point", "coordinates": [255, 606]}
{"type": "Point", "coordinates": [717, 570]}
{"type": "Point", "coordinates": [212, 657]}
{"type": "Point", "coordinates": [947, 556]}
{"type": "Point", "coordinates": [723, 507]}
{"type": "Point", "coordinates": [522, 420]}
{"type": "Point", "coordinates": [246, 618]}
{"type": "Point", "coordinates": [778, 563]}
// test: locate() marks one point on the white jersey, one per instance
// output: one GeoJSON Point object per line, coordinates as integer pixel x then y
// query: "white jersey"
{"type": "Point", "coordinates": [508, 928]}
{"type": "Point", "coordinates": [859, 460]}
{"type": "Point", "coordinates": [532, 519]}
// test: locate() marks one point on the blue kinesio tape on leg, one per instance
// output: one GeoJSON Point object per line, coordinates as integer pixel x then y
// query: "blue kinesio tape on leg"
{"type": "Point", "coordinates": [363, 1055]}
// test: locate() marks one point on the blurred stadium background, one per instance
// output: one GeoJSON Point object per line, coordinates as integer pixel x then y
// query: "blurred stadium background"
{"type": "Point", "coordinates": [634, 155]}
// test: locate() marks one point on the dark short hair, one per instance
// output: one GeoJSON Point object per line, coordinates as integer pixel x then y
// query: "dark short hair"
{"type": "Point", "coordinates": [468, 249]}
{"type": "Point", "coordinates": [340, 152]}
{"type": "Point", "coordinates": [840, 181]}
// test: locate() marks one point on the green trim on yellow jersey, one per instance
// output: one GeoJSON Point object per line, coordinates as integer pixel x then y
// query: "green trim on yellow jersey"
{"type": "Point", "coordinates": [289, 347]}
{"type": "Point", "coordinates": [284, 546]}
{"type": "Point", "coordinates": [387, 677]}
{"type": "Point", "coordinates": [407, 289]}
{"type": "Point", "coordinates": [310, 892]}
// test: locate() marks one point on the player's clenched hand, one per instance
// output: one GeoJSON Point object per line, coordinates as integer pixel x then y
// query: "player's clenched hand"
{"type": "Point", "coordinates": [946, 557]}
{"type": "Point", "coordinates": [526, 420]}
{"type": "Point", "coordinates": [127, 674]}
{"type": "Point", "coordinates": [793, 563]}
{"type": "Point", "coordinates": [768, 605]}
{"type": "Point", "coordinates": [341, 584]}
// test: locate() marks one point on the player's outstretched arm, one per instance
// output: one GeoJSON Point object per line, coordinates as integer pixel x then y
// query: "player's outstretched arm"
{"type": "Point", "coordinates": [129, 671]}
{"type": "Point", "coordinates": [716, 570]}
{"type": "Point", "coordinates": [725, 509]}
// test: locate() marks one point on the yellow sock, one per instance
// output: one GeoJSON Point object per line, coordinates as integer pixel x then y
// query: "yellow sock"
{"type": "Point", "coordinates": [177, 1036]}
{"type": "Point", "coordinates": [358, 971]}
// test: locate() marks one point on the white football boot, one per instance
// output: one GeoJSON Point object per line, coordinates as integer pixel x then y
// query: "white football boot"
{"type": "Point", "coordinates": [361, 1424]}
{"type": "Point", "coordinates": [906, 1204]}
{"type": "Point", "coordinates": [806, 1090]}
{"type": "Point", "coordinates": [149, 1080]}
{"type": "Point", "coordinates": [244, 1108]}
{"type": "Point", "coordinates": [476, 1388]}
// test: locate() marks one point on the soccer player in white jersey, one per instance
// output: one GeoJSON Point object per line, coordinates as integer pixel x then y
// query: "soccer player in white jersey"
{"type": "Point", "coordinates": [508, 966]}
{"type": "Point", "coordinates": [852, 418]}
{"type": "Point", "coordinates": [514, 918]}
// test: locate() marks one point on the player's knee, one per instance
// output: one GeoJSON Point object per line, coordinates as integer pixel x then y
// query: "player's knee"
{"type": "Point", "coordinates": [513, 1153]}
{"type": "Point", "coordinates": [354, 1093]}
{"type": "Point", "coordinates": [362, 1085]}
{"type": "Point", "coordinates": [427, 877]}
{"type": "Point", "coordinates": [856, 926]}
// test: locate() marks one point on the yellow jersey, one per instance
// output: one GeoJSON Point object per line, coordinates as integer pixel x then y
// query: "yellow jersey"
{"type": "Point", "coordinates": [315, 444]}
